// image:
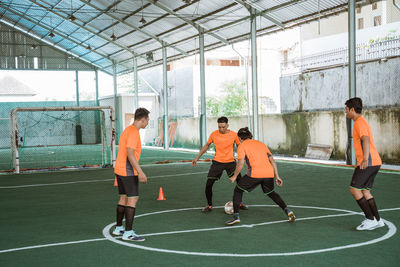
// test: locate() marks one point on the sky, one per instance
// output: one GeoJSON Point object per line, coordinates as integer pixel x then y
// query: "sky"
{"type": "Point", "coordinates": [58, 85]}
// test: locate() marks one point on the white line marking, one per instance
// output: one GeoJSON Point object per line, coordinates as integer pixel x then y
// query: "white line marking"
{"type": "Point", "coordinates": [389, 209]}
{"type": "Point", "coordinates": [64, 183]}
{"type": "Point", "coordinates": [94, 181]}
{"type": "Point", "coordinates": [246, 225]}
{"type": "Point", "coordinates": [184, 209]}
{"type": "Point", "coordinates": [391, 231]}
{"type": "Point", "coordinates": [52, 245]}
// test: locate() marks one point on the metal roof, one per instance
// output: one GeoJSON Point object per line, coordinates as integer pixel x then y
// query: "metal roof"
{"type": "Point", "coordinates": [101, 32]}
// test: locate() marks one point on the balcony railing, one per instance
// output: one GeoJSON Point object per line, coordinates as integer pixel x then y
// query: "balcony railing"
{"type": "Point", "coordinates": [339, 57]}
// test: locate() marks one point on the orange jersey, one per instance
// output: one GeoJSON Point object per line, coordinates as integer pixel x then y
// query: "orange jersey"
{"type": "Point", "coordinates": [223, 145]}
{"type": "Point", "coordinates": [130, 137]}
{"type": "Point", "coordinates": [361, 128]}
{"type": "Point", "coordinates": [256, 154]}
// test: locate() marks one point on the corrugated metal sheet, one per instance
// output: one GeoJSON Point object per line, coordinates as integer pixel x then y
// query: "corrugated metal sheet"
{"type": "Point", "coordinates": [173, 22]}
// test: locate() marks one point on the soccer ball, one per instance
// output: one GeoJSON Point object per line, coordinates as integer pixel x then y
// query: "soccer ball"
{"type": "Point", "coordinates": [229, 207]}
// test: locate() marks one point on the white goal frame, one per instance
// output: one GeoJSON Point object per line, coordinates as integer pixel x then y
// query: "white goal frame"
{"type": "Point", "coordinates": [14, 128]}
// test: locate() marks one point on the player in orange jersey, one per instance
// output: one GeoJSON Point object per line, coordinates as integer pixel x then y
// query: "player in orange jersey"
{"type": "Point", "coordinates": [261, 170]}
{"type": "Point", "coordinates": [129, 174]}
{"type": "Point", "coordinates": [224, 159]}
{"type": "Point", "coordinates": [368, 165]}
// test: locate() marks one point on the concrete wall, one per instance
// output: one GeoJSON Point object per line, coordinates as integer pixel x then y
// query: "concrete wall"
{"type": "Point", "coordinates": [339, 24]}
{"type": "Point", "coordinates": [188, 130]}
{"type": "Point", "coordinates": [180, 89]}
{"type": "Point", "coordinates": [289, 134]}
{"type": "Point", "coordinates": [127, 110]}
{"type": "Point", "coordinates": [378, 84]}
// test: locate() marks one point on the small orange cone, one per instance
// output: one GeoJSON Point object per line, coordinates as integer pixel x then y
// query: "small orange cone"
{"type": "Point", "coordinates": [161, 195]}
{"type": "Point", "coordinates": [115, 181]}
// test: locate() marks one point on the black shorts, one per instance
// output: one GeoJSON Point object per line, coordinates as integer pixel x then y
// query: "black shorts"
{"type": "Point", "coordinates": [247, 184]}
{"type": "Point", "coordinates": [364, 179]}
{"type": "Point", "coordinates": [217, 168]}
{"type": "Point", "coordinates": [128, 185]}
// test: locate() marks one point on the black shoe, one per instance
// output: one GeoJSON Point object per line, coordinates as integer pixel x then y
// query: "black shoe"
{"type": "Point", "coordinates": [233, 221]}
{"type": "Point", "coordinates": [207, 209]}
{"type": "Point", "coordinates": [243, 206]}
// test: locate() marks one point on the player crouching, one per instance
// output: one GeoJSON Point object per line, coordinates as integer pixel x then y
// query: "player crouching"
{"type": "Point", "coordinates": [262, 170]}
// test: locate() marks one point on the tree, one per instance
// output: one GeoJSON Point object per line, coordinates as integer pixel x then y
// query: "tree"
{"type": "Point", "coordinates": [231, 101]}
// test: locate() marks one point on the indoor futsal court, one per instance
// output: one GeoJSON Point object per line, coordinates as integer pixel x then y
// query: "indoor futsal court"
{"type": "Point", "coordinates": [77, 209]}
{"type": "Point", "coordinates": [118, 118]}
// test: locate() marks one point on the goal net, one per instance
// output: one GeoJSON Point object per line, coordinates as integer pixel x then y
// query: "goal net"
{"type": "Point", "coordinates": [62, 137]}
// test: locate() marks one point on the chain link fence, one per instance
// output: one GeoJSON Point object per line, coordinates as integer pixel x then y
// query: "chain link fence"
{"type": "Point", "coordinates": [54, 139]}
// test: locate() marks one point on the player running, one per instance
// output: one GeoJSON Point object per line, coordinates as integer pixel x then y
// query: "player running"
{"type": "Point", "coordinates": [261, 170]}
{"type": "Point", "coordinates": [224, 140]}
{"type": "Point", "coordinates": [368, 165]}
{"type": "Point", "coordinates": [129, 174]}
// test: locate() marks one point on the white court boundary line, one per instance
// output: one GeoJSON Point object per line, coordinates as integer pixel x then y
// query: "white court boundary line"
{"type": "Point", "coordinates": [94, 181]}
{"type": "Point", "coordinates": [391, 231]}
{"type": "Point", "coordinates": [390, 225]}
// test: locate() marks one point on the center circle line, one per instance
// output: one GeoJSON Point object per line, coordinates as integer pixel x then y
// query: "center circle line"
{"type": "Point", "coordinates": [391, 231]}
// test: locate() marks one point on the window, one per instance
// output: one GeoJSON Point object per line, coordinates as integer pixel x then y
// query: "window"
{"type": "Point", "coordinates": [358, 10]}
{"type": "Point", "coordinates": [377, 21]}
{"type": "Point", "coordinates": [374, 6]}
{"type": "Point", "coordinates": [360, 23]}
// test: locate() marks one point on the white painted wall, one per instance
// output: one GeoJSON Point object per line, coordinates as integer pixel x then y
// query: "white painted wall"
{"type": "Point", "coordinates": [339, 24]}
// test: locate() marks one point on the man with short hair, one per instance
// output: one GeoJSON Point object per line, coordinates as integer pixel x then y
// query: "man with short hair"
{"type": "Point", "coordinates": [224, 140]}
{"type": "Point", "coordinates": [129, 174]}
{"type": "Point", "coordinates": [368, 165]}
{"type": "Point", "coordinates": [261, 170]}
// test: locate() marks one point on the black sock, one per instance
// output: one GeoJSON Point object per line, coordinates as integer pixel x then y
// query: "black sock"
{"type": "Point", "coordinates": [209, 185]}
{"type": "Point", "coordinates": [120, 214]}
{"type": "Point", "coordinates": [287, 210]}
{"type": "Point", "coordinates": [129, 215]}
{"type": "Point", "coordinates": [363, 203]}
{"type": "Point", "coordinates": [237, 199]}
{"type": "Point", "coordinates": [278, 200]}
{"type": "Point", "coordinates": [374, 209]}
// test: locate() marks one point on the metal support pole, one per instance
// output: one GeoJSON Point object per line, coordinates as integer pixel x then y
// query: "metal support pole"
{"type": "Point", "coordinates": [351, 159]}
{"type": "Point", "coordinates": [135, 80]}
{"type": "Point", "coordinates": [14, 139]}
{"type": "Point", "coordinates": [99, 130]}
{"type": "Point", "coordinates": [78, 127]}
{"type": "Point", "coordinates": [254, 82]}
{"type": "Point", "coordinates": [96, 78]}
{"type": "Point", "coordinates": [116, 106]}
{"type": "Point", "coordinates": [77, 87]}
{"type": "Point", "coordinates": [203, 112]}
{"type": "Point", "coordinates": [165, 90]}
{"type": "Point", "coordinates": [246, 71]}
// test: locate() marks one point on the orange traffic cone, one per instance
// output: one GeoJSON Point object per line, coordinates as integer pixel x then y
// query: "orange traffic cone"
{"type": "Point", "coordinates": [115, 181]}
{"type": "Point", "coordinates": [161, 195]}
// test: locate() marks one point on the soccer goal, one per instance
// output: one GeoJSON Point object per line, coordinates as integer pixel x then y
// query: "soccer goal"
{"type": "Point", "coordinates": [62, 137]}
